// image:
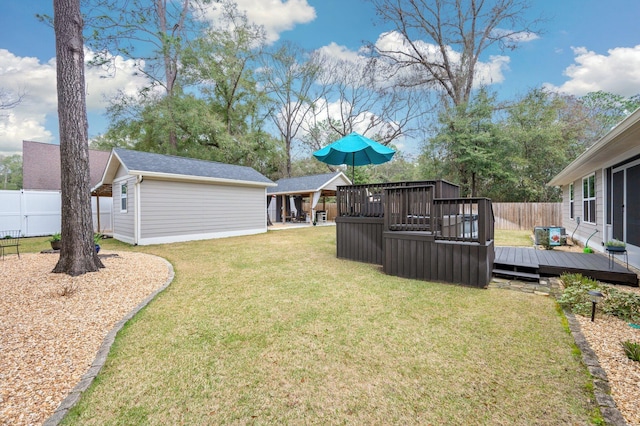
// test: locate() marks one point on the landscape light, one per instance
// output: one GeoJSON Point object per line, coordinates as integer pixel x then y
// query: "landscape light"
{"type": "Point", "coordinates": [595, 297]}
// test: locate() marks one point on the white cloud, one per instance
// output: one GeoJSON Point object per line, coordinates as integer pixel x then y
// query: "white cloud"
{"type": "Point", "coordinates": [103, 84]}
{"type": "Point", "coordinates": [340, 53]}
{"type": "Point", "coordinates": [37, 81]}
{"type": "Point", "coordinates": [276, 16]}
{"type": "Point", "coordinates": [617, 72]}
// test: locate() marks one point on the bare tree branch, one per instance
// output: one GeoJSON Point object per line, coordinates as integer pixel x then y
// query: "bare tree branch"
{"type": "Point", "coordinates": [441, 41]}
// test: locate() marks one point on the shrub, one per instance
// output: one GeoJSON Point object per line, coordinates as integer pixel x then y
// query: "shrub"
{"type": "Point", "coordinates": [622, 304]}
{"type": "Point", "coordinates": [576, 293]}
{"type": "Point", "coordinates": [631, 350]}
{"type": "Point", "coordinates": [544, 239]}
{"type": "Point", "coordinates": [575, 296]}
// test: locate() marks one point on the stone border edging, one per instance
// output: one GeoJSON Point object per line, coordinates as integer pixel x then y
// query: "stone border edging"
{"type": "Point", "coordinates": [101, 356]}
{"type": "Point", "coordinates": [601, 390]}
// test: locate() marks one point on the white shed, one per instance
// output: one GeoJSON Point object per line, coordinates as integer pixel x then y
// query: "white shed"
{"type": "Point", "coordinates": [164, 199]}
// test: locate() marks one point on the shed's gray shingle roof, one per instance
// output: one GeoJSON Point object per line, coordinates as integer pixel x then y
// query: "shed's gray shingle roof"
{"type": "Point", "coordinates": [159, 163]}
{"type": "Point", "coordinates": [302, 184]}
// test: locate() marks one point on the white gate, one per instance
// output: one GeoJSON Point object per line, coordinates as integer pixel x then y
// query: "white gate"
{"type": "Point", "coordinates": [37, 213]}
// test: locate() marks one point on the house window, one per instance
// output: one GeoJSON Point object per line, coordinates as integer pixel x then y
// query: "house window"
{"type": "Point", "coordinates": [571, 214]}
{"type": "Point", "coordinates": [589, 199]}
{"type": "Point", "coordinates": [123, 198]}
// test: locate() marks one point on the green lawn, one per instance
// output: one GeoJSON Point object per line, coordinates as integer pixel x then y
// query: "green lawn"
{"type": "Point", "coordinates": [513, 238]}
{"type": "Point", "coordinates": [274, 329]}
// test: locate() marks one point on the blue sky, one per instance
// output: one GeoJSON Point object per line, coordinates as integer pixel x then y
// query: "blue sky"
{"type": "Point", "coordinates": [586, 45]}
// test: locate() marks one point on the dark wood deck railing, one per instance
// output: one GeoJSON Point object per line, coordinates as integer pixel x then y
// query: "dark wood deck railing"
{"type": "Point", "coordinates": [408, 208]}
{"type": "Point", "coordinates": [420, 206]}
{"type": "Point", "coordinates": [464, 219]}
{"type": "Point", "coordinates": [361, 200]}
{"type": "Point", "coordinates": [368, 200]}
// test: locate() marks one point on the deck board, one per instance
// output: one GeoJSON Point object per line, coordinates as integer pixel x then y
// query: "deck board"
{"type": "Point", "coordinates": [555, 263]}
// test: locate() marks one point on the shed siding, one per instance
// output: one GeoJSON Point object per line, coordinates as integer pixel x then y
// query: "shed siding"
{"type": "Point", "coordinates": [121, 173]}
{"type": "Point", "coordinates": [123, 223]}
{"type": "Point", "coordinates": [333, 186]}
{"type": "Point", "coordinates": [196, 210]}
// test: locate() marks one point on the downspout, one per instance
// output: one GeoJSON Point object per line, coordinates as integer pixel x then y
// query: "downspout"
{"type": "Point", "coordinates": [136, 215]}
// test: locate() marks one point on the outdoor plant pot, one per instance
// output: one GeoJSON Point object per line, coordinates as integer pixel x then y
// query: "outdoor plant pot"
{"type": "Point", "coordinates": [616, 248]}
{"type": "Point", "coordinates": [97, 248]}
{"type": "Point", "coordinates": [55, 245]}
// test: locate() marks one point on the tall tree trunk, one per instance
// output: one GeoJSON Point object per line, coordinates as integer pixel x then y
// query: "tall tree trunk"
{"type": "Point", "coordinates": [78, 254]}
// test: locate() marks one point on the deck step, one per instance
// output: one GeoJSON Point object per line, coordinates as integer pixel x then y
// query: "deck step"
{"type": "Point", "coordinates": [517, 274]}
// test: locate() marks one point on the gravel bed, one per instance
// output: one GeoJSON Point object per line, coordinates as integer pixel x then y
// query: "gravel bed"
{"type": "Point", "coordinates": [605, 336]}
{"type": "Point", "coordinates": [51, 325]}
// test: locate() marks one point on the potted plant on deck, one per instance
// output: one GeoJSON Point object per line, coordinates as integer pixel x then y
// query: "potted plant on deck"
{"type": "Point", "coordinates": [615, 245]}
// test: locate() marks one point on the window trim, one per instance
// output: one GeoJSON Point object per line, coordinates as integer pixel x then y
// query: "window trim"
{"type": "Point", "coordinates": [589, 216]}
{"type": "Point", "coordinates": [571, 201]}
{"type": "Point", "coordinates": [124, 201]}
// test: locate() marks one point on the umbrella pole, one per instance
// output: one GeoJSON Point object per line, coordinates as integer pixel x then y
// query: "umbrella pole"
{"type": "Point", "coordinates": [353, 169]}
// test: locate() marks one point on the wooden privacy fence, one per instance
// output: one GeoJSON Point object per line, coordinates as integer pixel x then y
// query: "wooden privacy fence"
{"type": "Point", "coordinates": [508, 216]}
{"type": "Point", "coordinates": [523, 216]}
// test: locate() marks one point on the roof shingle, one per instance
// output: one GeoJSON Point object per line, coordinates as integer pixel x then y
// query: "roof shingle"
{"type": "Point", "coordinates": [169, 164]}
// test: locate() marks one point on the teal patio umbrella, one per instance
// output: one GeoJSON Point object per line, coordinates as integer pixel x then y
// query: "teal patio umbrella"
{"type": "Point", "coordinates": [354, 150]}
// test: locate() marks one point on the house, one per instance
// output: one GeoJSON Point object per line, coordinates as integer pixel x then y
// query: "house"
{"type": "Point", "coordinates": [285, 200]}
{"type": "Point", "coordinates": [37, 207]}
{"type": "Point", "coordinates": [41, 166]}
{"type": "Point", "coordinates": [164, 199]}
{"type": "Point", "coordinates": [601, 190]}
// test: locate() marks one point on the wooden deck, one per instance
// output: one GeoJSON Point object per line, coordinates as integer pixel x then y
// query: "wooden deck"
{"type": "Point", "coordinates": [529, 263]}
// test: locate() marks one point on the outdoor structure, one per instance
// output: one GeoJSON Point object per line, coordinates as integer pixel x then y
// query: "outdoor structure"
{"type": "Point", "coordinates": [420, 230]}
{"type": "Point", "coordinates": [601, 190]}
{"type": "Point", "coordinates": [285, 200]}
{"type": "Point", "coordinates": [164, 199]}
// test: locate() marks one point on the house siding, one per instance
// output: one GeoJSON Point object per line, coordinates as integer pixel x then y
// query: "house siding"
{"type": "Point", "coordinates": [181, 211]}
{"type": "Point", "coordinates": [581, 232]}
{"type": "Point", "coordinates": [123, 222]}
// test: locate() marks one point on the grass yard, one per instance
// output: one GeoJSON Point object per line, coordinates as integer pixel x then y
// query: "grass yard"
{"type": "Point", "coordinates": [274, 329]}
{"type": "Point", "coordinates": [512, 238]}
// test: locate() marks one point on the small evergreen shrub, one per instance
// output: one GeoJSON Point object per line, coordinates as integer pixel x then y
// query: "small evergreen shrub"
{"type": "Point", "coordinates": [631, 350]}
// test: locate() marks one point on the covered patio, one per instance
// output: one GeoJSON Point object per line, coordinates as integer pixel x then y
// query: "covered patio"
{"type": "Point", "coordinates": [286, 201]}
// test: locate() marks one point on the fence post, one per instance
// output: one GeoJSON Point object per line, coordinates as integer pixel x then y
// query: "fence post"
{"type": "Point", "coordinates": [483, 220]}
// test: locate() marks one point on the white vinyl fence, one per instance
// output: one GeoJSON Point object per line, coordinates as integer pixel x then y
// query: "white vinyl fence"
{"type": "Point", "coordinates": [37, 213]}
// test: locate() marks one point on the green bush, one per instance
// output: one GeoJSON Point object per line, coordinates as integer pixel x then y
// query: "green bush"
{"type": "Point", "coordinates": [622, 305]}
{"type": "Point", "coordinates": [576, 293]}
{"type": "Point", "coordinates": [544, 239]}
{"type": "Point", "coordinates": [575, 296]}
{"type": "Point", "coordinates": [631, 350]}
